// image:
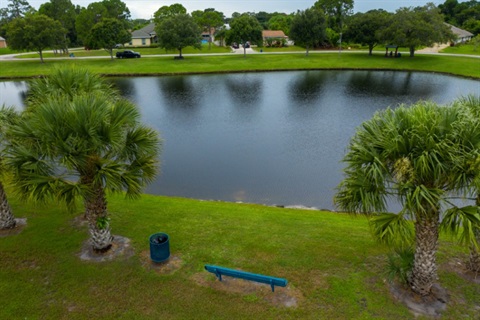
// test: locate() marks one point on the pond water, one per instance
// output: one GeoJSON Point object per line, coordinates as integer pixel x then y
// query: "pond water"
{"type": "Point", "coordinates": [274, 138]}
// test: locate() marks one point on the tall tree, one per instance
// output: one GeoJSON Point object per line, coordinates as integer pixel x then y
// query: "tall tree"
{"type": "Point", "coordinates": [243, 29]}
{"type": "Point", "coordinates": [177, 32]}
{"type": "Point", "coordinates": [366, 28]}
{"type": "Point", "coordinates": [35, 32]}
{"type": "Point", "coordinates": [18, 8]}
{"type": "Point", "coordinates": [64, 12]}
{"type": "Point", "coordinates": [336, 12]}
{"type": "Point", "coordinates": [83, 145]}
{"type": "Point", "coordinates": [280, 22]}
{"type": "Point", "coordinates": [107, 34]}
{"type": "Point", "coordinates": [208, 21]}
{"type": "Point", "coordinates": [168, 11]}
{"type": "Point", "coordinates": [308, 28]}
{"type": "Point", "coordinates": [420, 26]}
{"type": "Point", "coordinates": [406, 154]}
{"type": "Point", "coordinates": [87, 18]}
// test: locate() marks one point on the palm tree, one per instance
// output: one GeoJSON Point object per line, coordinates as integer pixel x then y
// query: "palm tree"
{"type": "Point", "coordinates": [405, 155]}
{"type": "Point", "coordinates": [84, 145]}
{"type": "Point", "coordinates": [467, 224]}
{"type": "Point", "coordinates": [7, 220]}
{"type": "Point", "coordinates": [67, 81]}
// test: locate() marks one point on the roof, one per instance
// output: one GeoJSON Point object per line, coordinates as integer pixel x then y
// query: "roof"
{"type": "Point", "coordinates": [2, 39]}
{"type": "Point", "coordinates": [145, 33]}
{"type": "Point", "coordinates": [273, 34]}
{"type": "Point", "coordinates": [459, 32]}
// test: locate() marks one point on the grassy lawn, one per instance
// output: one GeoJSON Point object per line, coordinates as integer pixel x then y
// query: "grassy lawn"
{"type": "Point", "coordinates": [463, 49]}
{"type": "Point", "coordinates": [329, 259]}
{"type": "Point", "coordinates": [464, 66]}
{"type": "Point", "coordinates": [142, 51]}
{"type": "Point", "coordinates": [282, 49]}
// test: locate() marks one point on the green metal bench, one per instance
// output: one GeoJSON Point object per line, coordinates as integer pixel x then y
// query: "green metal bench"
{"type": "Point", "coordinates": [272, 281]}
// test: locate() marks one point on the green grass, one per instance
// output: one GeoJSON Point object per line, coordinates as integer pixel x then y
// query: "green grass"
{"type": "Point", "coordinates": [329, 258]}
{"type": "Point", "coordinates": [282, 49]}
{"type": "Point", "coordinates": [142, 51]}
{"type": "Point", "coordinates": [464, 66]}
{"type": "Point", "coordinates": [463, 49]}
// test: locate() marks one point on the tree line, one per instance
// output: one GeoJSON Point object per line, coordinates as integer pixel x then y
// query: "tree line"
{"type": "Point", "coordinates": [58, 24]}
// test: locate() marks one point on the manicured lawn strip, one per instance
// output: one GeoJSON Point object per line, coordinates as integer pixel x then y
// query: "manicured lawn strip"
{"type": "Point", "coordinates": [463, 49]}
{"type": "Point", "coordinates": [329, 258]}
{"type": "Point", "coordinates": [463, 66]}
{"type": "Point", "coordinates": [142, 51]}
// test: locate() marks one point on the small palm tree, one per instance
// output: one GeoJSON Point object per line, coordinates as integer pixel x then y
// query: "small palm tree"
{"type": "Point", "coordinates": [467, 224]}
{"type": "Point", "coordinates": [8, 116]}
{"type": "Point", "coordinates": [84, 145]}
{"type": "Point", "coordinates": [406, 155]}
{"type": "Point", "coordinates": [67, 82]}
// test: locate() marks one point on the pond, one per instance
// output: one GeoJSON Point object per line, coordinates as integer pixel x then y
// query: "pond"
{"type": "Point", "coordinates": [273, 138]}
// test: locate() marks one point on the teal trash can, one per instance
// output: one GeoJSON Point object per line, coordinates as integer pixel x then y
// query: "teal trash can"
{"type": "Point", "coordinates": [159, 247]}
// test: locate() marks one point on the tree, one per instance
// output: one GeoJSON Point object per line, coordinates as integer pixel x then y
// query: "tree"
{"type": "Point", "coordinates": [168, 11]}
{"type": "Point", "coordinates": [365, 28]}
{"type": "Point", "coordinates": [420, 26]}
{"type": "Point", "coordinates": [308, 28]}
{"type": "Point", "coordinates": [406, 154]}
{"type": "Point", "coordinates": [336, 11]}
{"type": "Point", "coordinates": [465, 226]}
{"type": "Point", "coordinates": [208, 21]}
{"type": "Point", "coordinates": [465, 14]}
{"type": "Point", "coordinates": [177, 32]}
{"type": "Point", "coordinates": [62, 11]}
{"type": "Point", "coordinates": [18, 9]}
{"type": "Point", "coordinates": [83, 145]}
{"type": "Point", "coordinates": [243, 29]}
{"type": "Point", "coordinates": [87, 18]}
{"type": "Point", "coordinates": [116, 9]}
{"type": "Point", "coordinates": [8, 116]}
{"type": "Point", "coordinates": [280, 22]}
{"type": "Point", "coordinates": [35, 32]}
{"type": "Point", "coordinates": [107, 34]}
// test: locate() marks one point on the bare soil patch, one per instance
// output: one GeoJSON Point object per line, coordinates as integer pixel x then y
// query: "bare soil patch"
{"type": "Point", "coordinates": [458, 266]}
{"type": "Point", "coordinates": [120, 249]}
{"type": "Point", "coordinates": [282, 297]}
{"type": "Point", "coordinates": [432, 305]}
{"type": "Point", "coordinates": [20, 224]}
{"type": "Point", "coordinates": [170, 266]}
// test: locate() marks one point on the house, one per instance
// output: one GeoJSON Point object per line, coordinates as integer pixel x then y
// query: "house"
{"type": "Point", "coordinates": [145, 36]}
{"type": "Point", "coordinates": [462, 35]}
{"type": "Point", "coordinates": [270, 37]}
{"type": "Point", "coordinates": [3, 43]}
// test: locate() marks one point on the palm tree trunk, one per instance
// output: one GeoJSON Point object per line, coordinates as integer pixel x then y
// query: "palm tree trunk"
{"type": "Point", "coordinates": [96, 214]}
{"type": "Point", "coordinates": [424, 272]}
{"type": "Point", "coordinates": [7, 221]}
{"type": "Point", "coordinates": [474, 261]}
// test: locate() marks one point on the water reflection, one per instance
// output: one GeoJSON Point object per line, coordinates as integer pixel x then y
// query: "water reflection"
{"type": "Point", "coordinates": [393, 84]}
{"type": "Point", "coordinates": [179, 92]}
{"type": "Point", "coordinates": [274, 138]}
{"type": "Point", "coordinates": [307, 87]}
{"type": "Point", "coordinates": [13, 93]}
{"type": "Point", "coordinates": [124, 85]}
{"type": "Point", "coordinates": [244, 90]}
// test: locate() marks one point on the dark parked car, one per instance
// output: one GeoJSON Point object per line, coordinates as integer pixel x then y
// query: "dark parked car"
{"type": "Point", "coordinates": [128, 54]}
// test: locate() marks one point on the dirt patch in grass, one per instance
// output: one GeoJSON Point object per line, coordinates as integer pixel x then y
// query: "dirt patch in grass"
{"type": "Point", "coordinates": [282, 297]}
{"type": "Point", "coordinates": [458, 265]}
{"type": "Point", "coordinates": [120, 249]}
{"type": "Point", "coordinates": [20, 224]}
{"type": "Point", "coordinates": [80, 221]}
{"type": "Point", "coordinates": [169, 266]}
{"type": "Point", "coordinates": [432, 305]}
